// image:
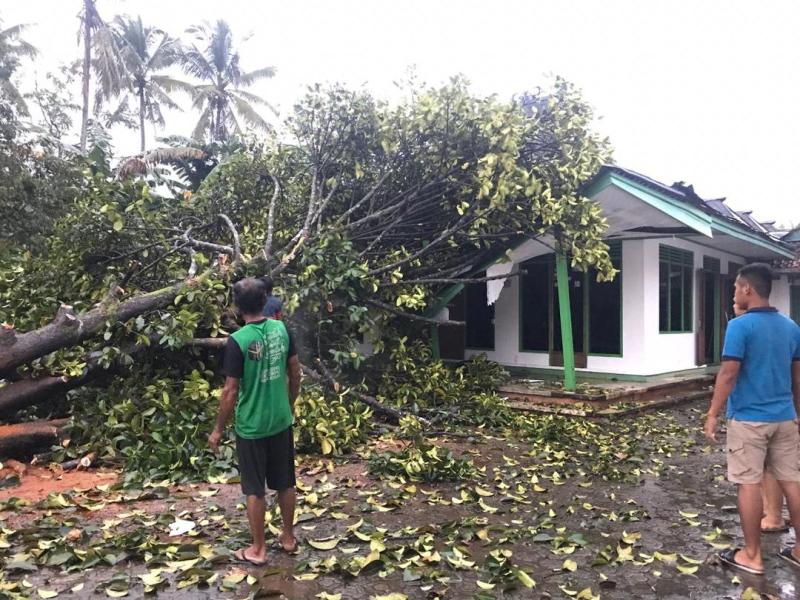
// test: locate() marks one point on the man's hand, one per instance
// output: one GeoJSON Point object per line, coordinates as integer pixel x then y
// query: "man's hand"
{"type": "Point", "coordinates": [710, 428]}
{"type": "Point", "coordinates": [214, 439]}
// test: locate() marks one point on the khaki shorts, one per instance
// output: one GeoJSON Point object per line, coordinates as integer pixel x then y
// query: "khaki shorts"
{"type": "Point", "coordinates": [753, 447]}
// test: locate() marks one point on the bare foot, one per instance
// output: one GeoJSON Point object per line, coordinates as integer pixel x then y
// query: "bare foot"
{"type": "Point", "coordinates": [754, 563]}
{"type": "Point", "coordinates": [250, 555]}
{"type": "Point", "coordinates": [288, 542]}
{"type": "Point", "coordinates": [771, 523]}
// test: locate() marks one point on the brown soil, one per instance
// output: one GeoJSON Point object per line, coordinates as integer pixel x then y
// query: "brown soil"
{"type": "Point", "coordinates": [37, 482]}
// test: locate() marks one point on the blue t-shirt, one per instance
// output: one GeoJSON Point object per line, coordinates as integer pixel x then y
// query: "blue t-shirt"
{"type": "Point", "coordinates": [273, 308]}
{"type": "Point", "coordinates": [765, 342]}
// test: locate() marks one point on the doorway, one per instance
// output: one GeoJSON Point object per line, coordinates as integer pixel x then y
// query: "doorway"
{"type": "Point", "coordinates": [711, 307]}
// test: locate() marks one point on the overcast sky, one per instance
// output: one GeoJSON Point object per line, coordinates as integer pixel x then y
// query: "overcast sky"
{"type": "Point", "coordinates": [707, 92]}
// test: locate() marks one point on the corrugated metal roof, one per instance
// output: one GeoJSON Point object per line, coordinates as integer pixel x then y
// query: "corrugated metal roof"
{"type": "Point", "coordinates": [685, 193]}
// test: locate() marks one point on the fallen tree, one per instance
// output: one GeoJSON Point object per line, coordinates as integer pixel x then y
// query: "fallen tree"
{"type": "Point", "coordinates": [363, 219]}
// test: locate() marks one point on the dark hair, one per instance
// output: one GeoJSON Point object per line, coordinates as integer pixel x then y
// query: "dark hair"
{"type": "Point", "coordinates": [759, 276]}
{"type": "Point", "coordinates": [249, 295]}
{"type": "Point", "coordinates": [267, 281]}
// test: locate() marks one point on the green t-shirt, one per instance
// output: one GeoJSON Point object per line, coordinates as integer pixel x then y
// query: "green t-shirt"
{"type": "Point", "coordinates": [257, 355]}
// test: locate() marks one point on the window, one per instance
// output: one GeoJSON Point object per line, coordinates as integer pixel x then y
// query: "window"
{"type": "Point", "coordinates": [534, 310]}
{"type": "Point", "coordinates": [675, 276]}
{"type": "Point", "coordinates": [605, 308]}
{"type": "Point", "coordinates": [480, 317]}
{"type": "Point", "coordinates": [711, 264]}
{"type": "Point", "coordinates": [794, 303]}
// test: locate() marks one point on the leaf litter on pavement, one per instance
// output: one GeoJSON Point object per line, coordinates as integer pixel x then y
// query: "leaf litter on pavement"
{"type": "Point", "coordinates": [546, 505]}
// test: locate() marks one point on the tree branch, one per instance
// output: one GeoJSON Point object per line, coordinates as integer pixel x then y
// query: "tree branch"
{"type": "Point", "coordinates": [271, 217]}
{"type": "Point", "coordinates": [323, 375]}
{"type": "Point", "coordinates": [237, 251]}
{"type": "Point", "coordinates": [453, 280]}
{"type": "Point", "coordinates": [69, 329]}
{"type": "Point", "coordinates": [411, 316]}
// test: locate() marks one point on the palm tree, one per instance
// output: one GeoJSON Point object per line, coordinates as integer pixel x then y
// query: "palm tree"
{"type": "Point", "coordinates": [145, 51]}
{"type": "Point", "coordinates": [12, 49]}
{"type": "Point", "coordinates": [100, 53]}
{"type": "Point", "coordinates": [220, 97]}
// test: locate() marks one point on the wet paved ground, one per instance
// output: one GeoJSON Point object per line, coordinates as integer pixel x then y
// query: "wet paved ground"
{"type": "Point", "coordinates": [651, 536]}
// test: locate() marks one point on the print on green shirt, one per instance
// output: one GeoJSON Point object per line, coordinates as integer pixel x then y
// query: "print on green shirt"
{"type": "Point", "coordinates": [263, 407]}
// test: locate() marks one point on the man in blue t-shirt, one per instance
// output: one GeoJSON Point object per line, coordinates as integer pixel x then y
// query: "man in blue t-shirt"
{"type": "Point", "coordinates": [760, 379]}
{"type": "Point", "coordinates": [273, 309]}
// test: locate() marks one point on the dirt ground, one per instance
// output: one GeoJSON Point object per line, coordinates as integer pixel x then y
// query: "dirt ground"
{"type": "Point", "coordinates": [534, 511]}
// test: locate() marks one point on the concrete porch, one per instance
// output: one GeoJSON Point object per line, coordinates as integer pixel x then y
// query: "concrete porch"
{"type": "Point", "coordinates": [606, 398]}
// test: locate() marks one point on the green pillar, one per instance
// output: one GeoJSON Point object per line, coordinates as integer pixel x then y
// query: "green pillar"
{"type": "Point", "coordinates": [562, 277]}
{"type": "Point", "coordinates": [435, 350]}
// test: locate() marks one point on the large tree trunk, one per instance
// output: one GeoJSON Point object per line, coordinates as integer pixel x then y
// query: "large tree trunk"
{"type": "Point", "coordinates": [27, 392]}
{"type": "Point", "coordinates": [23, 438]}
{"type": "Point", "coordinates": [69, 329]}
{"type": "Point", "coordinates": [88, 10]}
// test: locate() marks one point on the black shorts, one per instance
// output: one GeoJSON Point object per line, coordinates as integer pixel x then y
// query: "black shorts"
{"type": "Point", "coordinates": [269, 459]}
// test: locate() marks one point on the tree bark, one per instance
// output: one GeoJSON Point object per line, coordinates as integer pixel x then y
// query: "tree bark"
{"type": "Point", "coordinates": [20, 394]}
{"type": "Point", "coordinates": [19, 439]}
{"type": "Point", "coordinates": [28, 392]}
{"type": "Point", "coordinates": [69, 329]}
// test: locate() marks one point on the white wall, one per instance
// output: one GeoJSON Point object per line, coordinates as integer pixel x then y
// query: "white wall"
{"type": "Point", "coordinates": [780, 297]}
{"type": "Point", "coordinates": [645, 351]}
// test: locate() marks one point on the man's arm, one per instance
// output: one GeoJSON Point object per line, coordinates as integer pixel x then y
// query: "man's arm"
{"type": "Point", "coordinates": [293, 367]}
{"type": "Point", "coordinates": [227, 402]}
{"type": "Point", "coordinates": [723, 386]}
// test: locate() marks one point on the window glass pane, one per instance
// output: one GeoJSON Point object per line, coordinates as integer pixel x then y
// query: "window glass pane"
{"type": "Point", "coordinates": [688, 276]}
{"type": "Point", "coordinates": [663, 296]}
{"type": "Point", "coordinates": [535, 305]}
{"type": "Point", "coordinates": [605, 301]}
{"type": "Point", "coordinates": [480, 318]}
{"type": "Point", "coordinates": [675, 298]}
{"type": "Point", "coordinates": [794, 304]}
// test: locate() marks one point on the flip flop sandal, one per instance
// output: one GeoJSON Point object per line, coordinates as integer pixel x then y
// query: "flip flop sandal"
{"type": "Point", "coordinates": [786, 554]}
{"type": "Point", "coordinates": [240, 557]}
{"type": "Point", "coordinates": [728, 557]}
{"type": "Point", "coordinates": [780, 529]}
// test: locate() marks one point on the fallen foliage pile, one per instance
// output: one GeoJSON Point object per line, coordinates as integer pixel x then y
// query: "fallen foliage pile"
{"type": "Point", "coordinates": [534, 512]}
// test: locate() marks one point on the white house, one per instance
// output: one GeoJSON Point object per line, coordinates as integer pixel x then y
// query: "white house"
{"type": "Point", "coordinates": [665, 312]}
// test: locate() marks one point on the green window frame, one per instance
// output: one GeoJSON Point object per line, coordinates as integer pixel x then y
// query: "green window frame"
{"type": "Point", "coordinates": [675, 290]}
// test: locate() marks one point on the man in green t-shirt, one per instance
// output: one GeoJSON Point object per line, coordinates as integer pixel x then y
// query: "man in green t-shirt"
{"type": "Point", "coordinates": [262, 380]}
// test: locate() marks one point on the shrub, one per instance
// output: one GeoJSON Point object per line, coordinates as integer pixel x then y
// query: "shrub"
{"type": "Point", "coordinates": [159, 428]}
{"type": "Point", "coordinates": [462, 395]}
{"type": "Point", "coordinates": [329, 423]}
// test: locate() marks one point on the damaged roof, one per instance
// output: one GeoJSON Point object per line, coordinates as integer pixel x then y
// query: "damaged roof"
{"type": "Point", "coordinates": [685, 193]}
